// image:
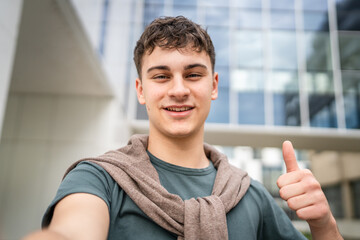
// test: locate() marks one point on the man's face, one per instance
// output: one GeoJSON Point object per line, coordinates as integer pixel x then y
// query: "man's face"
{"type": "Point", "coordinates": [177, 88]}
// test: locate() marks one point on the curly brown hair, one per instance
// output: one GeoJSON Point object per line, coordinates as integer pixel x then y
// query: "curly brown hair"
{"type": "Point", "coordinates": [173, 33]}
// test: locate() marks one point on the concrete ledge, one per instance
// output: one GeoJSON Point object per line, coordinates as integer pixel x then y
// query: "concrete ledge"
{"type": "Point", "coordinates": [273, 136]}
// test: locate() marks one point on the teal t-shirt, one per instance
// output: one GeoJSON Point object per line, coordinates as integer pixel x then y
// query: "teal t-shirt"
{"type": "Point", "coordinates": [256, 216]}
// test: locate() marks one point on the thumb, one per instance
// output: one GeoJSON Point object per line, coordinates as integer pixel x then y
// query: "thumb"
{"type": "Point", "coordinates": [289, 157]}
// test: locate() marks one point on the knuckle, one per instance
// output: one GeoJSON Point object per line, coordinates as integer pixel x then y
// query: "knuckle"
{"type": "Point", "coordinates": [291, 203]}
{"type": "Point", "coordinates": [282, 193]}
{"type": "Point", "coordinates": [301, 214]}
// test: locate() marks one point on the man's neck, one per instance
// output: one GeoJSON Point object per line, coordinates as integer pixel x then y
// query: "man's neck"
{"type": "Point", "coordinates": [185, 151]}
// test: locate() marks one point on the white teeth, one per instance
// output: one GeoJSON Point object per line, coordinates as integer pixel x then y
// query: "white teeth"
{"type": "Point", "coordinates": [180, 109]}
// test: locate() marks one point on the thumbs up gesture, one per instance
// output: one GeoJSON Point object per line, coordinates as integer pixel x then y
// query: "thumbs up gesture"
{"type": "Point", "coordinates": [303, 194]}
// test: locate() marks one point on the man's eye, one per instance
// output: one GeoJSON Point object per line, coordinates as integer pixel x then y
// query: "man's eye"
{"type": "Point", "coordinates": [160, 77]}
{"type": "Point", "coordinates": [194, 75]}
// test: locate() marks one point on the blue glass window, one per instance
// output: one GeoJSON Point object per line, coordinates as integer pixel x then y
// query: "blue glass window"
{"type": "Point", "coordinates": [154, 1]}
{"type": "Point", "coordinates": [318, 51]}
{"type": "Point", "coordinates": [218, 16]}
{"type": "Point", "coordinates": [348, 15]}
{"type": "Point", "coordinates": [220, 38]}
{"type": "Point", "coordinates": [248, 3]}
{"type": "Point", "coordinates": [285, 88]}
{"type": "Point", "coordinates": [282, 4]}
{"type": "Point", "coordinates": [212, 3]}
{"type": "Point", "coordinates": [248, 19]}
{"type": "Point", "coordinates": [249, 85]}
{"type": "Point", "coordinates": [283, 50]}
{"type": "Point", "coordinates": [282, 20]}
{"type": "Point", "coordinates": [185, 2]}
{"type": "Point", "coordinates": [318, 5]}
{"type": "Point", "coordinates": [351, 91]}
{"type": "Point", "coordinates": [219, 112]}
{"type": "Point", "coordinates": [223, 72]}
{"type": "Point", "coordinates": [251, 108]}
{"type": "Point", "coordinates": [316, 21]}
{"type": "Point", "coordinates": [286, 109]}
{"type": "Point", "coordinates": [186, 11]}
{"type": "Point", "coordinates": [249, 49]}
{"type": "Point", "coordinates": [152, 11]}
{"type": "Point", "coordinates": [349, 44]}
{"type": "Point", "coordinates": [322, 109]}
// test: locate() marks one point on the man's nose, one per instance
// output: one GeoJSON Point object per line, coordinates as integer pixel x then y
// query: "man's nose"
{"type": "Point", "coordinates": [179, 88]}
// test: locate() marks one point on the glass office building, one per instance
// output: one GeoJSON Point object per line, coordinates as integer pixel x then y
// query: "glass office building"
{"type": "Point", "coordinates": [280, 63]}
{"type": "Point", "coordinates": [289, 69]}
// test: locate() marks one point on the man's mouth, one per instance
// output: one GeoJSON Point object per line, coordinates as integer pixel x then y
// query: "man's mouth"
{"type": "Point", "coordinates": [178, 109]}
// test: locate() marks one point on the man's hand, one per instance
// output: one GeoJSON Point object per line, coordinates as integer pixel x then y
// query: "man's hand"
{"type": "Point", "coordinates": [303, 194]}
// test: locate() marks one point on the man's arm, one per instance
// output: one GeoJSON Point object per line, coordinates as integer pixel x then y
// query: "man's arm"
{"type": "Point", "coordinates": [77, 216]}
{"type": "Point", "coordinates": [304, 195]}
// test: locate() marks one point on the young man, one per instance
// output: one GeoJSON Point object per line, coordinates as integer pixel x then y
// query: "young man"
{"type": "Point", "coordinates": [169, 184]}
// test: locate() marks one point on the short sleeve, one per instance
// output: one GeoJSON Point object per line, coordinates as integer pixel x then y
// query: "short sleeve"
{"type": "Point", "coordinates": [86, 177]}
{"type": "Point", "coordinates": [275, 224]}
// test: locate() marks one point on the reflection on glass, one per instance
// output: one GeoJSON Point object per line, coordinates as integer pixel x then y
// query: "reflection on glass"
{"type": "Point", "coordinates": [318, 5]}
{"type": "Point", "coordinates": [155, 1]}
{"type": "Point", "coordinates": [322, 110]}
{"type": "Point", "coordinates": [248, 3]}
{"type": "Point", "coordinates": [283, 81]}
{"type": "Point", "coordinates": [249, 84]}
{"type": "Point", "coordinates": [186, 11]}
{"type": "Point", "coordinates": [316, 21]}
{"type": "Point", "coordinates": [282, 4]}
{"type": "Point", "coordinates": [247, 80]}
{"type": "Point", "coordinates": [286, 109]}
{"type": "Point", "coordinates": [152, 11]}
{"type": "Point", "coordinates": [348, 12]}
{"type": "Point", "coordinates": [219, 111]}
{"type": "Point", "coordinates": [220, 38]}
{"type": "Point", "coordinates": [184, 2]}
{"type": "Point", "coordinates": [249, 49]}
{"type": "Point", "coordinates": [284, 85]}
{"type": "Point", "coordinates": [211, 3]}
{"type": "Point", "coordinates": [283, 50]}
{"type": "Point", "coordinates": [318, 51]}
{"type": "Point", "coordinates": [251, 108]}
{"type": "Point", "coordinates": [349, 45]}
{"type": "Point", "coordinates": [223, 72]}
{"type": "Point", "coordinates": [351, 91]}
{"type": "Point", "coordinates": [218, 16]}
{"type": "Point", "coordinates": [282, 20]}
{"type": "Point", "coordinates": [248, 19]}
{"type": "Point", "coordinates": [319, 82]}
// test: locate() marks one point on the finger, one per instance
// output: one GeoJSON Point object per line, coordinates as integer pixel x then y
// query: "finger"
{"type": "Point", "coordinates": [289, 178]}
{"type": "Point", "coordinates": [301, 201]}
{"type": "Point", "coordinates": [291, 190]}
{"type": "Point", "coordinates": [313, 212]}
{"type": "Point", "coordinates": [289, 157]}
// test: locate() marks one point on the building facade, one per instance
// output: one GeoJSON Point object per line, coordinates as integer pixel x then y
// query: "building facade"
{"type": "Point", "coordinates": [288, 69]}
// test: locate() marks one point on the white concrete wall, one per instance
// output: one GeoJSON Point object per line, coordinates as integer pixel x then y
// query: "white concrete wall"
{"type": "Point", "coordinates": [10, 11]}
{"type": "Point", "coordinates": [43, 135]}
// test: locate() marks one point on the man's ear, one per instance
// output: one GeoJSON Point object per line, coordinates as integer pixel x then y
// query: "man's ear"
{"type": "Point", "coordinates": [214, 92]}
{"type": "Point", "coordinates": [140, 91]}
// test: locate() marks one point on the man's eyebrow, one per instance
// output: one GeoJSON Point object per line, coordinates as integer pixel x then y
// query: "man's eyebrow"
{"type": "Point", "coordinates": [190, 66]}
{"type": "Point", "coordinates": [161, 67]}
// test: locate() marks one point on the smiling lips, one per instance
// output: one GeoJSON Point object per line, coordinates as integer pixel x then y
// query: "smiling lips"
{"type": "Point", "coordinates": [178, 109]}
